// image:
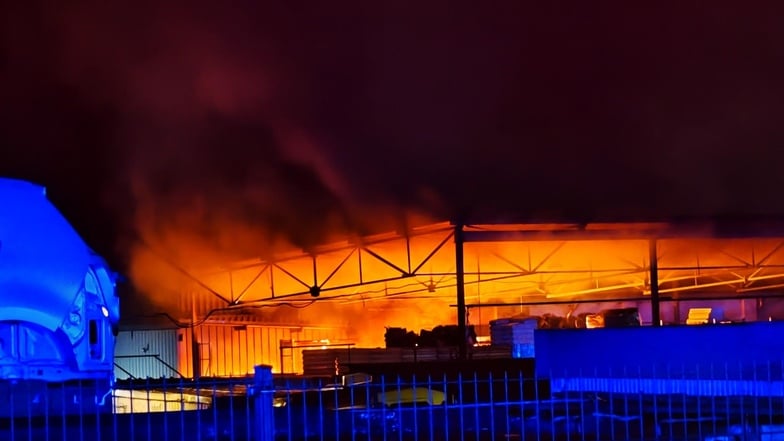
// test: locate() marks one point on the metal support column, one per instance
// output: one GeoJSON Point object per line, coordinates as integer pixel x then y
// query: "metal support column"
{"type": "Point", "coordinates": [195, 348]}
{"type": "Point", "coordinates": [460, 276]}
{"type": "Point", "coordinates": [653, 257]}
{"type": "Point", "coordinates": [264, 390]}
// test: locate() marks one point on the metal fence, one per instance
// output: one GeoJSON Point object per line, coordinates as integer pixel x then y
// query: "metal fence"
{"type": "Point", "coordinates": [728, 401]}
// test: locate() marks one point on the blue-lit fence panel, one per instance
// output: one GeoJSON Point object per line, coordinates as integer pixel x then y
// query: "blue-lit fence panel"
{"type": "Point", "coordinates": [647, 350]}
{"type": "Point", "coordinates": [136, 410]}
{"type": "Point", "coordinates": [744, 401]}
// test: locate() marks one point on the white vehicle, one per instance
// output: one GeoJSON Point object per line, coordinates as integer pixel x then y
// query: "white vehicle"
{"type": "Point", "coordinates": [58, 306]}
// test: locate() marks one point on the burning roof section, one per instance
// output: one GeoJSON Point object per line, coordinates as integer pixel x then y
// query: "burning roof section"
{"type": "Point", "coordinates": [504, 264]}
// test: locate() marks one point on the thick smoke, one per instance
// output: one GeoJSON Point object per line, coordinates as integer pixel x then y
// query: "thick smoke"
{"type": "Point", "coordinates": [218, 133]}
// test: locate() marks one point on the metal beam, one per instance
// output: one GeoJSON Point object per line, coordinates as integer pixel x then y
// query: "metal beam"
{"type": "Point", "coordinates": [559, 302]}
{"type": "Point", "coordinates": [460, 288]}
{"type": "Point", "coordinates": [565, 235]}
{"type": "Point", "coordinates": [654, 278]}
{"type": "Point", "coordinates": [247, 287]}
{"type": "Point", "coordinates": [675, 231]}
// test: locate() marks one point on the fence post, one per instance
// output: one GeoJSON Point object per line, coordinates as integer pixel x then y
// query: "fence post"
{"type": "Point", "coordinates": [264, 389]}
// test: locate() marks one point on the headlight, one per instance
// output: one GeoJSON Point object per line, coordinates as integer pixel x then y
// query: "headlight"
{"type": "Point", "coordinates": [73, 324]}
{"type": "Point", "coordinates": [75, 318]}
{"type": "Point", "coordinates": [104, 311]}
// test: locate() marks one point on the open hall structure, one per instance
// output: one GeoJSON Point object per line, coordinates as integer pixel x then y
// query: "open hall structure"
{"type": "Point", "coordinates": [264, 311]}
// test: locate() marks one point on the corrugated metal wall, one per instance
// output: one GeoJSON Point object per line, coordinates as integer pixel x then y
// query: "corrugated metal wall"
{"type": "Point", "coordinates": [231, 350]}
{"type": "Point", "coordinates": [146, 354]}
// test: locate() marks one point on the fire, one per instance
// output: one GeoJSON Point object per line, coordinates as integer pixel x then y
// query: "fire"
{"type": "Point", "coordinates": [369, 283]}
{"type": "Point", "coordinates": [395, 280]}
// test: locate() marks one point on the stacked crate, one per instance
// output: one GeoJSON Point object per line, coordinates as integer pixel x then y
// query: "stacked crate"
{"type": "Point", "coordinates": [515, 333]}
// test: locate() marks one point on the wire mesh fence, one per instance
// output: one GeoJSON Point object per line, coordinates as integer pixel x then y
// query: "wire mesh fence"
{"type": "Point", "coordinates": [727, 401]}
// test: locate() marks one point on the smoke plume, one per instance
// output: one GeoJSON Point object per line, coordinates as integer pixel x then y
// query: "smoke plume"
{"type": "Point", "coordinates": [207, 134]}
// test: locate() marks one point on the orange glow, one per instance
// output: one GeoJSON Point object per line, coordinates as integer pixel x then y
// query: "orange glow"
{"type": "Point", "coordinates": [373, 282]}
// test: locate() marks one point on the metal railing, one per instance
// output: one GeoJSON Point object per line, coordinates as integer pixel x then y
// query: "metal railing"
{"type": "Point", "coordinates": [726, 401]}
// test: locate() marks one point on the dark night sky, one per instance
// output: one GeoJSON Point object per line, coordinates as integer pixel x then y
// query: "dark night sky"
{"type": "Point", "coordinates": [301, 118]}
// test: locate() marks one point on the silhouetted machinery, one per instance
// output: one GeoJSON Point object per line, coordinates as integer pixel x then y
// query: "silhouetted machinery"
{"type": "Point", "coordinates": [621, 318]}
{"type": "Point", "coordinates": [58, 305]}
{"type": "Point", "coordinates": [440, 336]}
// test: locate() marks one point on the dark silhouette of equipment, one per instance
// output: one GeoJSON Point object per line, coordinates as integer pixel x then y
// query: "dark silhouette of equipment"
{"type": "Point", "coordinates": [440, 336]}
